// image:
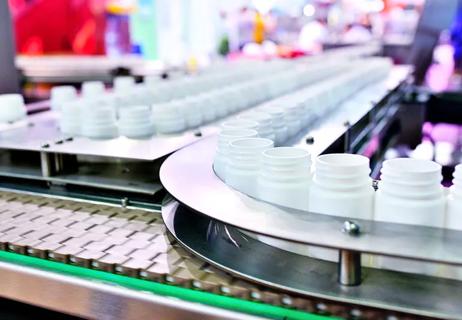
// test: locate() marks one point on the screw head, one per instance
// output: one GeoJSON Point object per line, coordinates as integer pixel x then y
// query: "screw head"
{"type": "Point", "coordinates": [198, 134]}
{"type": "Point", "coordinates": [309, 140]}
{"type": "Point", "coordinates": [351, 227]}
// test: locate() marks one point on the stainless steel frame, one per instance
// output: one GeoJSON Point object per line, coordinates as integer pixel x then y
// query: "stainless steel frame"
{"type": "Point", "coordinates": [96, 300]}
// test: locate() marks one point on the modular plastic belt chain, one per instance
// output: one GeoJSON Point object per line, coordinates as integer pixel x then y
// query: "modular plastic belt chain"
{"type": "Point", "coordinates": [129, 242]}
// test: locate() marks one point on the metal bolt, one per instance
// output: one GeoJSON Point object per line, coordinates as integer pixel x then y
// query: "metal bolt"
{"type": "Point", "coordinates": [69, 139]}
{"type": "Point", "coordinates": [352, 228]}
{"type": "Point", "coordinates": [198, 134]}
{"type": "Point", "coordinates": [347, 124]}
{"type": "Point", "coordinates": [59, 142]}
{"type": "Point", "coordinates": [309, 140]}
{"type": "Point", "coordinates": [46, 146]}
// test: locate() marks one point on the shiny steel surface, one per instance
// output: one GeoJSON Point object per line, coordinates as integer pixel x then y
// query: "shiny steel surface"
{"type": "Point", "coordinates": [96, 300]}
{"type": "Point", "coordinates": [349, 268]}
{"type": "Point", "coordinates": [229, 249]}
{"type": "Point", "coordinates": [43, 135]}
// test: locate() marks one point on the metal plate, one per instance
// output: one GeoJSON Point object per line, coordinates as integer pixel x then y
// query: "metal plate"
{"type": "Point", "coordinates": [42, 134]}
{"type": "Point", "coordinates": [228, 248]}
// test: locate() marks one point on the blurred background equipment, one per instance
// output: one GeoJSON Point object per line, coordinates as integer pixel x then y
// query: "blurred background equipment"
{"type": "Point", "coordinates": [231, 159]}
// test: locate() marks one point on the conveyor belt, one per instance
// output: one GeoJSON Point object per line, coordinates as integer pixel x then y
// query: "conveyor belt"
{"type": "Point", "coordinates": [128, 242]}
{"type": "Point", "coordinates": [133, 243]}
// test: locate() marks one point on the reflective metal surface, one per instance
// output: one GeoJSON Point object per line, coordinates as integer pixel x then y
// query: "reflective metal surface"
{"type": "Point", "coordinates": [43, 135]}
{"type": "Point", "coordinates": [96, 300]}
{"type": "Point", "coordinates": [229, 249]}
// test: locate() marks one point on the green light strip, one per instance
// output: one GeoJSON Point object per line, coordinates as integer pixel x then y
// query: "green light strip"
{"type": "Point", "coordinates": [230, 303]}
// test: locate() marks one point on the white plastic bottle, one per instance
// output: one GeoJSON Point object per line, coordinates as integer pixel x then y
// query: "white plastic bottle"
{"type": "Point", "coordinates": [244, 163]}
{"type": "Point", "coordinates": [279, 126]}
{"type": "Point", "coordinates": [454, 206]}
{"type": "Point", "coordinates": [341, 187]}
{"type": "Point", "coordinates": [293, 121]}
{"type": "Point", "coordinates": [410, 192]}
{"type": "Point", "coordinates": [285, 177]}
{"type": "Point", "coordinates": [99, 123]}
{"type": "Point", "coordinates": [124, 83]}
{"type": "Point", "coordinates": [240, 124]}
{"type": "Point", "coordinates": [190, 108]}
{"type": "Point", "coordinates": [167, 118]}
{"type": "Point", "coordinates": [70, 121]}
{"type": "Point", "coordinates": [61, 95]}
{"type": "Point", "coordinates": [206, 107]}
{"type": "Point", "coordinates": [136, 122]}
{"type": "Point", "coordinates": [454, 216]}
{"type": "Point", "coordinates": [222, 153]}
{"type": "Point", "coordinates": [12, 108]}
{"type": "Point", "coordinates": [93, 89]}
{"type": "Point", "coordinates": [265, 126]}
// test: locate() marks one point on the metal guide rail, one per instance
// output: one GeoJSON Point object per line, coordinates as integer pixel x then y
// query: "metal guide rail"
{"type": "Point", "coordinates": [267, 261]}
{"type": "Point", "coordinates": [116, 245]}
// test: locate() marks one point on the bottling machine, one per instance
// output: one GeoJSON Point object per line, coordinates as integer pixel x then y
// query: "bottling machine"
{"type": "Point", "coordinates": [129, 229]}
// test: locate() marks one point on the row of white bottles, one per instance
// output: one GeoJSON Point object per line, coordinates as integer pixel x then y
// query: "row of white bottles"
{"type": "Point", "coordinates": [173, 118]}
{"type": "Point", "coordinates": [217, 104]}
{"type": "Point", "coordinates": [219, 76]}
{"type": "Point", "coordinates": [222, 74]}
{"type": "Point", "coordinates": [134, 122]}
{"type": "Point", "coordinates": [179, 115]}
{"type": "Point", "coordinates": [409, 191]}
{"type": "Point", "coordinates": [167, 118]}
{"type": "Point", "coordinates": [283, 118]}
